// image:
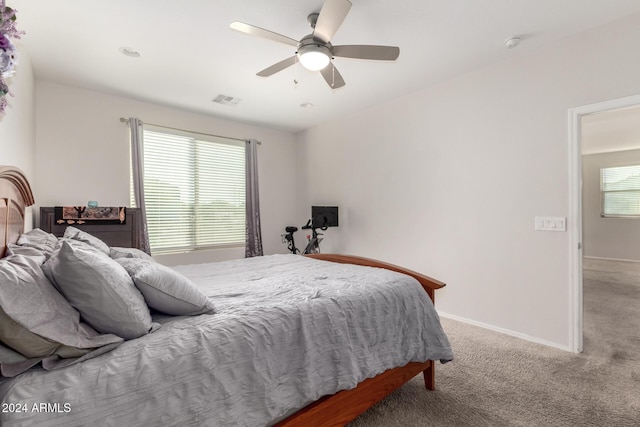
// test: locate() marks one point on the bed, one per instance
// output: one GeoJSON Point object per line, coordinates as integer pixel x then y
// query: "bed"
{"type": "Point", "coordinates": [343, 358]}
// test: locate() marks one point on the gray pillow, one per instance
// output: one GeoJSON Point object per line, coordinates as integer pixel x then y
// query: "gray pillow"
{"type": "Point", "coordinates": [29, 344]}
{"type": "Point", "coordinates": [38, 239]}
{"type": "Point", "coordinates": [13, 249]}
{"type": "Point", "coordinates": [82, 236]}
{"type": "Point", "coordinates": [13, 363]}
{"type": "Point", "coordinates": [118, 252]}
{"type": "Point", "coordinates": [35, 320]}
{"type": "Point", "coordinates": [166, 290]}
{"type": "Point", "coordinates": [100, 289]}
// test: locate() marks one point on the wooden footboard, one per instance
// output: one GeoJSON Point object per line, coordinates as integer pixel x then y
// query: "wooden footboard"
{"type": "Point", "coordinates": [346, 405]}
{"type": "Point", "coordinates": [428, 283]}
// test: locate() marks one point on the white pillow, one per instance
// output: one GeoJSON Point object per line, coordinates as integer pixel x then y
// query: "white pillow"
{"type": "Point", "coordinates": [38, 239]}
{"type": "Point", "coordinates": [35, 319]}
{"type": "Point", "coordinates": [166, 290]}
{"type": "Point", "coordinates": [118, 252]}
{"type": "Point", "coordinates": [82, 236]}
{"type": "Point", "coordinates": [100, 289]}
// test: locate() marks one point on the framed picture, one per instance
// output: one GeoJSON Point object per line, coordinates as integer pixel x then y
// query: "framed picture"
{"type": "Point", "coordinates": [90, 215]}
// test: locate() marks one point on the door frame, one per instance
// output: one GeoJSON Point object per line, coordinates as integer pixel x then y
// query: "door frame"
{"type": "Point", "coordinates": [576, 307]}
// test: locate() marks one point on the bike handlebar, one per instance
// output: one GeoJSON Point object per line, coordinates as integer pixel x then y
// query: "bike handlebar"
{"type": "Point", "coordinates": [309, 225]}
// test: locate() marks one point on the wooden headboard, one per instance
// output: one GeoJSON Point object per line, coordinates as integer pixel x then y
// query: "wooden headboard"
{"type": "Point", "coordinates": [15, 196]}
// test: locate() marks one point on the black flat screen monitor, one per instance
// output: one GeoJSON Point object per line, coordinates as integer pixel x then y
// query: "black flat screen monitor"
{"type": "Point", "coordinates": [324, 216]}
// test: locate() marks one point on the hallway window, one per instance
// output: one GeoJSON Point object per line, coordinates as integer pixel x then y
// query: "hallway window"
{"type": "Point", "coordinates": [620, 191]}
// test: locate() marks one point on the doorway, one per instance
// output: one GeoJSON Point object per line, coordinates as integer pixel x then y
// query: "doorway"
{"type": "Point", "coordinates": [576, 312]}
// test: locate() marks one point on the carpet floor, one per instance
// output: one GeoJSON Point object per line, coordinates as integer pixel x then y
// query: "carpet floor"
{"type": "Point", "coordinates": [499, 380]}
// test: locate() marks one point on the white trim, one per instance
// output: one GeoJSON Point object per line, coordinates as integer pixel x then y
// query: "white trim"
{"type": "Point", "coordinates": [612, 259]}
{"type": "Point", "coordinates": [575, 311]}
{"type": "Point", "coordinates": [575, 211]}
{"type": "Point", "coordinates": [504, 331]}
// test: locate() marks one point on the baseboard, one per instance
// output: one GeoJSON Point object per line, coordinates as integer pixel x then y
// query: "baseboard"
{"type": "Point", "coordinates": [611, 259]}
{"type": "Point", "coordinates": [505, 331]}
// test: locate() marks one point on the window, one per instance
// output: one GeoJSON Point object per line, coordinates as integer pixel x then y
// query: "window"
{"type": "Point", "coordinates": [620, 191]}
{"type": "Point", "coordinates": [194, 188]}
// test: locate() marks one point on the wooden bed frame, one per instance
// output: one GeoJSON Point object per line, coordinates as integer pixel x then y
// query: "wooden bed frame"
{"type": "Point", "coordinates": [15, 196]}
{"type": "Point", "coordinates": [334, 410]}
{"type": "Point", "coordinates": [344, 406]}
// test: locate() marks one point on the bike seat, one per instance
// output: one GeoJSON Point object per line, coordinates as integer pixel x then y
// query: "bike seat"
{"type": "Point", "coordinates": [291, 229]}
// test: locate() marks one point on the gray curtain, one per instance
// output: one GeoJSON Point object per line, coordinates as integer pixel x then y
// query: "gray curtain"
{"type": "Point", "coordinates": [137, 167]}
{"type": "Point", "coordinates": [253, 241]}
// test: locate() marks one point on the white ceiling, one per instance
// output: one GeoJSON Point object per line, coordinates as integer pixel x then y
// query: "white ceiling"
{"type": "Point", "coordinates": [190, 55]}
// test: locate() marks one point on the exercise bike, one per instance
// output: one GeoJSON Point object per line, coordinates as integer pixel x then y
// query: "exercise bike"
{"type": "Point", "coordinates": [313, 239]}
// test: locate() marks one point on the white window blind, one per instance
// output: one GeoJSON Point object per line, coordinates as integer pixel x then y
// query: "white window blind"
{"type": "Point", "coordinates": [194, 189]}
{"type": "Point", "coordinates": [620, 191]}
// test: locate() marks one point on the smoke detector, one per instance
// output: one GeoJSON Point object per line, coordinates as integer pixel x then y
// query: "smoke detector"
{"type": "Point", "coordinates": [129, 51]}
{"type": "Point", "coordinates": [512, 42]}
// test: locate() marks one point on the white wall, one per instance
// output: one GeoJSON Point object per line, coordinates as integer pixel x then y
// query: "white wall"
{"type": "Point", "coordinates": [447, 181]}
{"type": "Point", "coordinates": [82, 154]}
{"type": "Point", "coordinates": [614, 238]}
{"type": "Point", "coordinates": [17, 125]}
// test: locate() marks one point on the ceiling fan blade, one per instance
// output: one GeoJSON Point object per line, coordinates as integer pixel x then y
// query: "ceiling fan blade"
{"type": "Point", "coordinates": [332, 76]}
{"type": "Point", "coordinates": [261, 32]}
{"type": "Point", "coordinates": [278, 66]}
{"type": "Point", "coordinates": [380, 53]}
{"type": "Point", "coordinates": [331, 16]}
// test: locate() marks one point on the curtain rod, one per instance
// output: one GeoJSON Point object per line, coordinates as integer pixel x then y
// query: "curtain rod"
{"type": "Point", "coordinates": [123, 120]}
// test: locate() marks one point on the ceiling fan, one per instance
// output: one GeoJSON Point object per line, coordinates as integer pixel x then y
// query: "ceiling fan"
{"type": "Point", "coordinates": [315, 51]}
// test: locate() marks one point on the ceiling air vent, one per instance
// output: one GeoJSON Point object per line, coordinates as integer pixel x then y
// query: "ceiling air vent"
{"type": "Point", "coordinates": [226, 100]}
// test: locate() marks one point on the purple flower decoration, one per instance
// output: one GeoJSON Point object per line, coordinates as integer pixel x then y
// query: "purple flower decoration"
{"type": "Point", "coordinates": [8, 53]}
{"type": "Point", "coordinates": [8, 23]}
{"type": "Point", "coordinates": [4, 42]}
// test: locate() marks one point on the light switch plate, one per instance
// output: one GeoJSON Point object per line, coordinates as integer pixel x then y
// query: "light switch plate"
{"type": "Point", "coordinates": [550, 223]}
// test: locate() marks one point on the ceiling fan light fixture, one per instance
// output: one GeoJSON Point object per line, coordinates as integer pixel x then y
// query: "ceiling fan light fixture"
{"type": "Point", "coordinates": [314, 57]}
{"type": "Point", "coordinates": [316, 51]}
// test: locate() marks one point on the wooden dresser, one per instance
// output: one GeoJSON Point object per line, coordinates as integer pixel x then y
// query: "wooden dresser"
{"type": "Point", "coordinates": [122, 235]}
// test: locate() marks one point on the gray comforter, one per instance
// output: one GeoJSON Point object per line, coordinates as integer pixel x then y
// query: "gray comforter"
{"type": "Point", "coordinates": [287, 331]}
